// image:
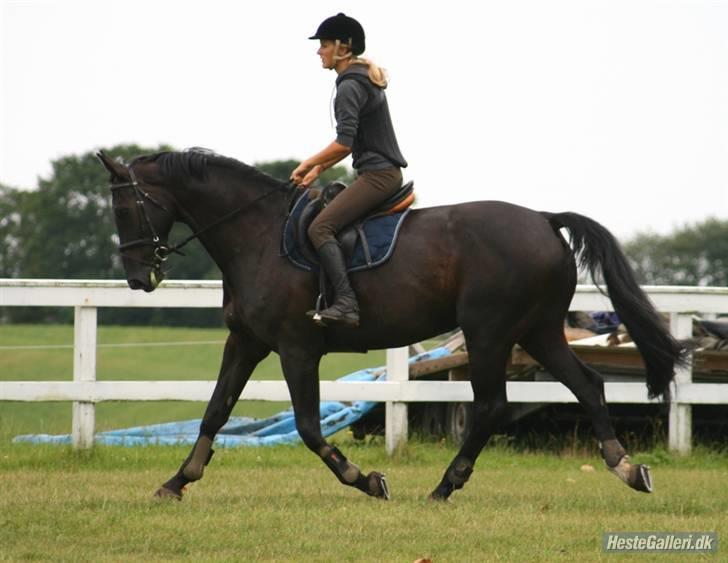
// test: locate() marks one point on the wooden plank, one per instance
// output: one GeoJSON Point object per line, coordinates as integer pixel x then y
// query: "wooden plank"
{"type": "Point", "coordinates": [396, 421]}
{"type": "Point", "coordinates": [455, 342]}
{"type": "Point", "coordinates": [428, 367]}
{"type": "Point", "coordinates": [702, 393]}
{"type": "Point", "coordinates": [83, 418]}
{"type": "Point", "coordinates": [680, 419]}
{"type": "Point", "coordinates": [410, 391]}
{"type": "Point", "coordinates": [108, 293]}
{"type": "Point", "coordinates": [710, 360]}
{"type": "Point", "coordinates": [208, 293]}
{"type": "Point", "coordinates": [710, 364]}
{"type": "Point", "coordinates": [667, 299]}
{"type": "Point", "coordinates": [629, 357]}
{"type": "Point", "coordinates": [599, 355]}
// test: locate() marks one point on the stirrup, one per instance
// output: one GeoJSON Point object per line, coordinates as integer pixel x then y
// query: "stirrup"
{"type": "Point", "coordinates": [325, 317]}
{"type": "Point", "coordinates": [316, 317]}
{"type": "Point", "coordinates": [315, 314]}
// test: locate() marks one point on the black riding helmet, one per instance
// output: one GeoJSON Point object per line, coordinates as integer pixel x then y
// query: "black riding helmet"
{"type": "Point", "coordinates": [344, 28]}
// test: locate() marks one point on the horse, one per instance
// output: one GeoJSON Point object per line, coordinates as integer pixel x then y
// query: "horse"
{"type": "Point", "coordinates": [503, 273]}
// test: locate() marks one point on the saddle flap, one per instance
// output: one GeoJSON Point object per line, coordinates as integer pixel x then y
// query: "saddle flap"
{"type": "Point", "coordinates": [304, 220]}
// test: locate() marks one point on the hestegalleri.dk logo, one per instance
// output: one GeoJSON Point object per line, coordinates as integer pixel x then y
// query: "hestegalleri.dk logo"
{"type": "Point", "coordinates": [695, 542]}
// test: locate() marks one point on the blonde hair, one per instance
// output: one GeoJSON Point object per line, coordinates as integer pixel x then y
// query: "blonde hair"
{"type": "Point", "coordinates": [377, 74]}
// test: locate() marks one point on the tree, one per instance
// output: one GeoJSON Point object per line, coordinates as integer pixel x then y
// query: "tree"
{"type": "Point", "coordinates": [694, 255]}
{"type": "Point", "coordinates": [67, 225]}
{"type": "Point", "coordinates": [11, 203]}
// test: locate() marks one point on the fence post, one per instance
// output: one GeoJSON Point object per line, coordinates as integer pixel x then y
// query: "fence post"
{"type": "Point", "coordinates": [395, 426]}
{"type": "Point", "coordinates": [84, 369]}
{"type": "Point", "coordinates": [680, 428]}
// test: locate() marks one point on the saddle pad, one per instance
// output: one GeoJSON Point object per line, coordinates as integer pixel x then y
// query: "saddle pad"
{"type": "Point", "coordinates": [381, 232]}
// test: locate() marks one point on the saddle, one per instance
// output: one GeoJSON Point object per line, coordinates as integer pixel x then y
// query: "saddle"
{"type": "Point", "coordinates": [366, 243]}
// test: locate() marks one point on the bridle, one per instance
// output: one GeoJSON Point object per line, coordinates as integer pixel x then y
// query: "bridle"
{"type": "Point", "coordinates": [161, 250]}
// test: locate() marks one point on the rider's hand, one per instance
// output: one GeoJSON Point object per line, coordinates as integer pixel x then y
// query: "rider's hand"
{"type": "Point", "coordinates": [298, 175]}
{"type": "Point", "coordinates": [314, 173]}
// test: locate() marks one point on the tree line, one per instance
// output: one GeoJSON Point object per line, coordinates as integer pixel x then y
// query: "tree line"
{"type": "Point", "coordinates": [64, 229]}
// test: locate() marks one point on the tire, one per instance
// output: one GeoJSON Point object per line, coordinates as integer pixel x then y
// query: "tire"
{"type": "Point", "coordinates": [458, 421]}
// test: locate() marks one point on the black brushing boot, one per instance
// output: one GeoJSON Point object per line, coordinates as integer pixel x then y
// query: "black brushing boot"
{"type": "Point", "coordinates": [345, 309]}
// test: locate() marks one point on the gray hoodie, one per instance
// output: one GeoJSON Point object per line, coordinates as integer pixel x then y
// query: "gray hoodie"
{"type": "Point", "coordinates": [363, 121]}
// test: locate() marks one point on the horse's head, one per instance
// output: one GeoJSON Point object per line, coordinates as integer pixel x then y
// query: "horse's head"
{"type": "Point", "coordinates": [144, 217]}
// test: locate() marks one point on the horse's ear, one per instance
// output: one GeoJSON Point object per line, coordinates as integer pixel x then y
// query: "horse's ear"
{"type": "Point", "coordinates": [117, 169]}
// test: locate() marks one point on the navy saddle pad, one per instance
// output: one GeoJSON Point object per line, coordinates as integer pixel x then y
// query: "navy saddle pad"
{"type": "Point", "coordinates": [381, 233]}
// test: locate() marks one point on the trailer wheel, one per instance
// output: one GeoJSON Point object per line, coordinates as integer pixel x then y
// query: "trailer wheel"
{"type": "Point", "coordinates": [458, 421]}
{"type": "Point", "coordinates": [431, 421]}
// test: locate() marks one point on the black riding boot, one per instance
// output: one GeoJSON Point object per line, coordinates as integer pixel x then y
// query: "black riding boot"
{"type": "Point", "coordinates": [345, 309]}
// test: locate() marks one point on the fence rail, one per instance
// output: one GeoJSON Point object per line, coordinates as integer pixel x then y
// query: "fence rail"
{"type": "Point", "coordinates": [84, 391]}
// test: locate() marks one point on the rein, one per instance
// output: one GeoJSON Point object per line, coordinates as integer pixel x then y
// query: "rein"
{"type": "Point", "coordinates": [217, 222]}
{"type": "Point", "coordinates": [162, 251]}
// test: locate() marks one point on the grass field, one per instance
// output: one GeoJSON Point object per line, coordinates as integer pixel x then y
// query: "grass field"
{"type": "Point", "coordinates": [282, 504]}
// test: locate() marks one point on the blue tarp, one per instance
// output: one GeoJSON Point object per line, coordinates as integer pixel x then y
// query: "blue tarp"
{"type": "Point", "coordinates": [242, 430]}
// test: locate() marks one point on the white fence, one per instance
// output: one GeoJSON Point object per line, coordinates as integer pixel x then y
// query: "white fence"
{"type": "Point", "coordinates": [84, 391]}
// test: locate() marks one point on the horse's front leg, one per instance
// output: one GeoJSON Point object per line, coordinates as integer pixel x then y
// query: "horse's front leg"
{"type": "Point", "coordinates": [241, 356]}
{"type": "Point", "coordinates": [300, 369]}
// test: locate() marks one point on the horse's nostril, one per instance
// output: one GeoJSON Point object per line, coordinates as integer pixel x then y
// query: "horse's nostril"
{"type": "Point", "coordinates": [136, 284]}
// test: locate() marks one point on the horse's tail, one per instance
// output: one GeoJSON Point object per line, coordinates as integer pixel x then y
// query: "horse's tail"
{"type": "Point", "coordinates": [596, 247]}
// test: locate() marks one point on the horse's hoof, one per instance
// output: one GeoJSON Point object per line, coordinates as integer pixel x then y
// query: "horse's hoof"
{"type": "Point", "coordinates": [636, 475]}
{"type": "Point", "coordinates": [165, 493]}
{"type": "Point", "coordinates": [378, 485]}
{"type": "Point", "coordinates": [435, 496]}
{"type": "Point", "coordinates": [641, 480]}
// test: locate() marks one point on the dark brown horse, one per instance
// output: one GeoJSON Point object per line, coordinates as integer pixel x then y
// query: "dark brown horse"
{"type": "Point", "coordinates": [503, 273]}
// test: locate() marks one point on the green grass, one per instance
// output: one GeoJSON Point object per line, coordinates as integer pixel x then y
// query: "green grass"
{"type": "Point", "coordinates": [192, 361]}
{"type": "Point", "coordinates": [282, 504]}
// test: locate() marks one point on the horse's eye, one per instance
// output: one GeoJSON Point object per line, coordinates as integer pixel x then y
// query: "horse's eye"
{"type": "Point", "coordinates": [121, 212]}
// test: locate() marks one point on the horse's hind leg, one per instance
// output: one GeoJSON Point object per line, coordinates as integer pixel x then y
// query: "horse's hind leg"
{"type": "Point", "coordinates": [241, 356]}
{"type": "Point", "coordinates": [488, 379]}
{"type": "Point", "coordinates": [549, 347]}
{"type": "Point", "coordinates": [300, 368]}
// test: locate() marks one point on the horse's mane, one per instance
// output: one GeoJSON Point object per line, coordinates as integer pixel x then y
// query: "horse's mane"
{"type": "Point", "coordinates": [196, 161]}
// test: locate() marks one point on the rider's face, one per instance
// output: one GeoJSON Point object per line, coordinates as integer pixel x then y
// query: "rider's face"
{"type": "Point", "coordinates": [326, 51]}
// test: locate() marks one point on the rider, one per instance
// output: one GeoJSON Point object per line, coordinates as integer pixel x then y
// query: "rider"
{"type": "Point", "coordinates": [364, 129]}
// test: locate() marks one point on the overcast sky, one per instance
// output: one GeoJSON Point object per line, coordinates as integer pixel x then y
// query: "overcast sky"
{"type": "Point", "coordinates": [616, 109]}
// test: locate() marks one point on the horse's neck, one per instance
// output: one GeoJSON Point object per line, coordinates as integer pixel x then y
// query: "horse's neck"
{"type": "Point", "coordinates": [255, 220]}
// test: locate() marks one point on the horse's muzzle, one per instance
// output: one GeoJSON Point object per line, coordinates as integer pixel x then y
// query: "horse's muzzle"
{"type": "Point", "coordinates": [147, 284]}
{"type": "Point", "coordinates": [138, 284]}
